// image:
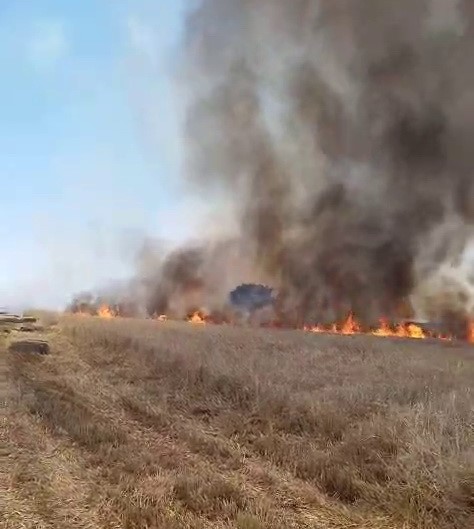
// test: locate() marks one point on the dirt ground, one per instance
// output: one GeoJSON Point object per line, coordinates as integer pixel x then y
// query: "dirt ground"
{"type": "Point", "coordinates": [142, 424]}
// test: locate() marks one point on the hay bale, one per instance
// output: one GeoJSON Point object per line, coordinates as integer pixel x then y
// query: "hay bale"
{"type": "Point", "coordinates": [30, 346]}
{"type": "Point", "coordinates": [10, 318]}
{"type": "Point", "coordinates": [30, 327]}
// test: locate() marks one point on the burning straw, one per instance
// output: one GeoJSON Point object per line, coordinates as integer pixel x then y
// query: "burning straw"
{"type": "Point", "coordinates": [341, 134]}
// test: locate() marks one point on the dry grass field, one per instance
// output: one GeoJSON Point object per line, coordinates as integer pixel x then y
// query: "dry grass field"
{"type": "Point", "coordinates": [140, 424]}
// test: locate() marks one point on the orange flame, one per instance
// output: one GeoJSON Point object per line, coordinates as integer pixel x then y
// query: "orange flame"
{"type": "Point", "coordinates": [105, 312]}
{"type": "Point", "coordinates": [197, 317]}
{"type": "Point", "coordinates": [351, 326]}
{"type": "Point", "coordinates": [470, 331]}
{"type": "Point", "coordinates": [384, 329]}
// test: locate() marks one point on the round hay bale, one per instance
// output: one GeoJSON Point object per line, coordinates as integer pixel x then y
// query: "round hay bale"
{"type": "Point", "coordinates": [30, 346]}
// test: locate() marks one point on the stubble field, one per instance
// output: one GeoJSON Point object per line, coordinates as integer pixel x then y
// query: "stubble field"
{"type": "Point", "coordinates": [141, 424]}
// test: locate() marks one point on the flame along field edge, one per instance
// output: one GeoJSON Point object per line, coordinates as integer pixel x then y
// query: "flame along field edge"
{"type": "Point", "coordinates": [348, 327]}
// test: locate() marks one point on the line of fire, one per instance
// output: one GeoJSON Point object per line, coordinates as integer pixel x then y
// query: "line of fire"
{"type": "Point", "coordinates": [248, 303]}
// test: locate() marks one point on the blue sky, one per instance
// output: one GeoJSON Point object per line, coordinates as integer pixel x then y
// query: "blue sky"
{"type": "Point", "coordinates": [89, 141]}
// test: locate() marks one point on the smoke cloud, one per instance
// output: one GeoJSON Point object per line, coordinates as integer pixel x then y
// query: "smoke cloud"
{"type": "Point", "coordinates": [341, 133]}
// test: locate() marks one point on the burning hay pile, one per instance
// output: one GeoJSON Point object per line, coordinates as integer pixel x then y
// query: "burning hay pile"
{"type": "Point", "coordinates": [341, 134]}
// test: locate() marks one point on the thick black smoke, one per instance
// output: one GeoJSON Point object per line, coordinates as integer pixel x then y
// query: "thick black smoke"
{"type": "Point", "coordinates": [341, 132]}
{"type": "Point", "coordinates": [196, 277]}
{"type": "Point", "coordinates": [343, 129]}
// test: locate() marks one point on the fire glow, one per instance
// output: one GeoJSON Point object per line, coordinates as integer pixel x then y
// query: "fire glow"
{"type": "Point", "coordinates": [350, 326]}
{"type": "Point", "coordinates": [105, 311]}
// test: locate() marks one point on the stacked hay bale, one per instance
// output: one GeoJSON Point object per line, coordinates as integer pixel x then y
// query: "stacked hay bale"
{"type": "Point", "coordinates": [13, 322]}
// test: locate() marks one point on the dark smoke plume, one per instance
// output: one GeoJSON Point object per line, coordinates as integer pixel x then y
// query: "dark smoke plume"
{"type": "Point", "coordinates": [341, 131]}
{"type": "Point", "coordinates": [197, 277]}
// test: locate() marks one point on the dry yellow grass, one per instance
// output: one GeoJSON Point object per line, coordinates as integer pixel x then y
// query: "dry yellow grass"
{"type": "Point", "coordinates": [140, 424]}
